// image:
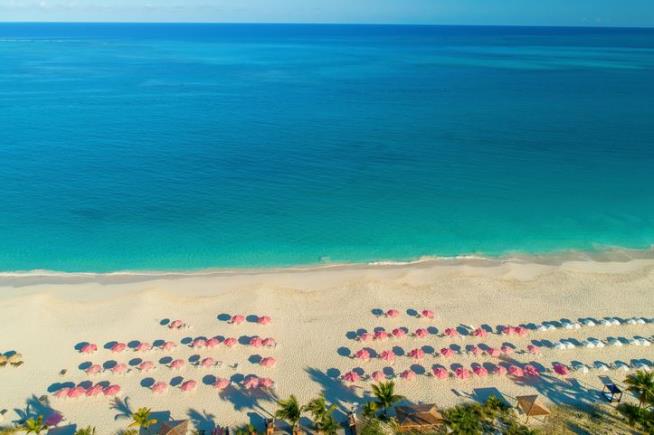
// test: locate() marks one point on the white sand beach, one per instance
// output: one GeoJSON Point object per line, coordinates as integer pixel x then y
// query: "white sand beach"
{"type": "Point", "coordinates": [316, 315]}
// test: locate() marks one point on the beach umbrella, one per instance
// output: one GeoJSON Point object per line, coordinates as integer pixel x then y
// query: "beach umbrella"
{"type": "Point", "coordinates": [362, 354]}
{"type": "Point", "coordinates": [447, 352]}
{"type": "Point", "coordinates": [531, 370]}
{"type": "Point", "coordinates": [588, 322]}
{"type": "Point", "coordinates": [213, 342]}
{"type": "Point", "coordinates": [251, 382]}
{"type": "Point", "coordinates": [118, 347]}
{"type": "Point", "coordinates": [474, 350]}
{"type": "Point", "coordinates": [143, 347]}
{"type": "Point", "coordinates": [199, 343]}
{"type": "Point", "coordinates": [119, 369]}
{"type": "Point", "coordinates": [480, 332]}
{"type": "Point", "coordinates": [176, 324]}
{"type": "Point", "coordinates": [268, 362]}
{"type": "Point", "coordinates": [159, 387]}
{"type": "Point", "coordinates": [621, 366]}
{"type": "Point", "coordinates": [508, 330]}
{"type": "Point", "coordinates": [146, 366]}
{"type": "Point", "coordinates": [417, 353]}
{"type": "Point", "coordinates": [421, 333]}
{"type": "Point", "coordinates": [3, 360]}
{"type": "Point", "coordinates": [93, 369]}
{"type": "Point", "coordinates": [408, 375]}
{"type": "Point", "coordinates": [427, 314]}
{"type": "Point", "coordinates": [351, 377]}
{"type": "Point", "coordinates": [366, 336]}
{"type": "Point", "coordinates": [230, 341]}
{"type": "Point", "coordinates": [378, 376]}
{"type": "Point", "coordinates": [516, 371]}
{"type": "Point", "coordinates": [605, 322]}
{"type": "Point", "coordinates": [560, 346]}
{"type": "Point", "coordinates": [440, 372]}
{"type": "Point", "coordinates": [500, 371]}
{"type": "Point", "coordinates": [387, 355]}
{"type": "Point", "coordinates": [78, 391]}
{"type": "Point", "coordinates": [588, 344]}
{"type": "Point", "coordinates": [570, 345]}
{"type": "Point", "coordinates": [264, 320]}
{"type": "Point", "coordinates": [381, 335]}
{"type": "Point", "coordinates": [392, 313]}
{"type": "Point", "coordinates": [89, 348]}
{"type": "Point", "coordinates": [521, 331]}
{"type": "Point", "coordinates": [62, 393]}
{"type": "Point", "coordinates": [543, 328]}
{"type": "Point", "coordinates": [532, 349]}
{"type": "Point", "coordinates": [451, 332]}
{"type": "Point", "coordinates": [256, 341]}
{"type": "Point", "coordinates": [644, 342]}
{"type": "Point", "coordinates": [507, 350]}
{"type": "Point", "coordinates": [189, 385]}
{"type": "Point", "coordinates": [615, 322]}
{"type": "Point", "coordinates": [54, 419]}
{"type": "Point", "coordinates": [177, 364]}
{"type": "Point", "coordinates": [168, 345]}
{"type": "Point", "coordinates": [269, 342]}
{"type": "Point", "coordinates": [95, 390]}
{"type": "Point", "coordinates": [266, 383]}
{"type": "Point", "coordinates": [495, 353]}
{"type": "Point", "coordinates": [480, 371]}
{"type": "Point", "coordinates": [221, 383]}
{"type": "Point", "coordinates": [208, 362]}
{"type": "Point", "coordinates": [601, 366]}
{"type": "Point", "coordinates": [631, 321]}
{"type": "Point", "coordinates": [237, 319]}
{"type": "Point", "coordinates": [560, 369]}
{"type": "Point", "coordinates": [581, 368]}
{"type": "Point", "coordinates": [399, 332]}
{"type": "Point", "coordinates": [462, 373]}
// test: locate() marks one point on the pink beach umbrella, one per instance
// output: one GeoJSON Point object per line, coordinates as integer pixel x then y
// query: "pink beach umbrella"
{"type": "Point", "coordinates": [447, 352]}
{"type": "Point", "coordinates": [381, 335]}
{"type": "Point", "coordinates": [475, 350]}
{"type": "Point", "coordinates": [421, 333]}
{"type": "Point", "coordinates": [62, 393]}
{"type": "Point", "coordinates": [266, 383]}
{"type": "Point", "coordinates": [221, 383]}
{"type": "Point", "coordinates": [168, 345]}
{"type": "Point", "coordinates": [269, 342]}
{"type": "Point", "coordinates": [480, 332]}
{"type": "Point", "coordinates": [427, 314]}
{"type": "Point", "coordinates": [362, 354]}
{"type": "Point", "coordinates": [256, 342]}
{"type": "Point", "coordinates": [119, 369]}
{"type": "Point", "coordinates": [417, 353]}
{"type": "Point", "coordinates": [230, 342]}
{"type": "Point", "coordinates": [462, 373]}
{"type": "Point", "coordinates": [237, 319]}
{"type": "Point", "coordinates": [118, 347]}
{"type": "Point", "coordinates": [495, 353]}
{"type": "Point", "coordinates": [177, 364]}
{"type": "Point", "coordinates": [76, 392]}
{"type": "Point", "coordinates": [264, 320]}
{"type": "Point", "coordinates": [516, 371]}
{"type": "Point", "coordinates": [251, 382]}
{"type": "Point", "coordinates": [500, 371]}
{"type": "Point", "coordinates": [387, 355]}
{"type": "Point", "coordinates": [199, 343]}
{"type": "Point", "coordinates": [268, 362]}
{"type": "Point", "coordinates": [94, 369]}
{"type": "Point", "coordinates": [408, 375]}
{"type": "Point", "coordinates": [480, 371]}
{"type": "Point", "coordinates": [143, 347]}
{"type": "Point", "coordinates": [531, 370]}
{"type": "Point", "coordinates": [561, 369]}
{"type": "Point", "coordinates": [189, 385]}
{"type": "Point", "coordinates": [111, 390]}
{"type": "Point", "coordinates": [176, 324]}
{"type": "Point", "coordinates": [95, 390]}
{"type": "Point", "coordinates": [207, 362]}
{"type": "Point", "coordinates": [451, 332]}
{"type": "Point", "coordinates": [54, 419]}
{"type": "Point", "coordinates": [399, 332]}
{"type": "Point", "coordinates": [534, 350]}
{"type": "Point", "coordinates": [351, 377]}
{"type": "Point", "coordinates": [392, 313]}
{"type": "Point", "coordinates": [89, 348]}
{"type": "Point", "coordinates": [378, 376]}
{"type": "Point", "coordinates": [213, 342]}
{"type": "Point", "coordinates": [146, 366]}
{"type": "Point", "coordinates": [159, 387]}
{"type": "Point", "coordinates": [507, 350]}
{"type": "Point", "coordinates": [366, 336]}
{"type": "Point", "coordinates": [508, 330]}
{"type": "Point", "coordinates": [521, 331]}
{"type": "Point", "coordinates": [440, 372]}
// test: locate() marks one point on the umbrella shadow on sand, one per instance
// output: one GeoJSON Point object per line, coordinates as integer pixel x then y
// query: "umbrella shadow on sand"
{"type": "Point", "coordinates": [335, 392]}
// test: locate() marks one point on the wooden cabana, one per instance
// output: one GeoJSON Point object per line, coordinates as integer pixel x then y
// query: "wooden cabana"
{"type": "Point", "coordinates": [180, 427]}
{"type": "Point", "coordinates": [419, 418]}
{"type": "Point", "coordinates": [532, 407]}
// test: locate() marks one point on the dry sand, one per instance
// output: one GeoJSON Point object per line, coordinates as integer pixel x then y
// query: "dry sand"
{"type": "Point", "coordinates": [315, 313]}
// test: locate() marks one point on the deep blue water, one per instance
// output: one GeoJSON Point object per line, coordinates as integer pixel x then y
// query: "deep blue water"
{"type": "Point", "coordinates": [193, 146]}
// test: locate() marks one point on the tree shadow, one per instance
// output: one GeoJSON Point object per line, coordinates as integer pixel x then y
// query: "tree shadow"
{"type": "Point", "coordinates": [202, 420]}
{"type": "Point", "coordinates": [123, 408]}
{"type": "Point", "coordinates": [33, 409]}
{"type": "Point", "coordinates": [335, 392]}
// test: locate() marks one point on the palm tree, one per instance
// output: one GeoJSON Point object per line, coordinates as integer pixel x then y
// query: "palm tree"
{"type": "Point", "coordinates": [370, 409]}
{"type": "Point", "coordinates": [290, 411]}
{"type": "Point", "coordinates": [141, 419]}
{"type": "Point", "coordinates": [322, 415]}
{"type": "Point", "coordinates": [35, 425]}
{"type": "Point", "coordinates": [641, 383]}
{"type": "Point", "coordinates": [88, 430]}
{"type": "Point", "coordinates": [385, 394]}
{"type": "Point", "coordinates": [464, 419]}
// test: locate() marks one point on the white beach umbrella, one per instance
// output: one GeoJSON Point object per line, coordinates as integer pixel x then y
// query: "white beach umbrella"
{"type": "Point", "coordinates": [631, 321]}
{"type": "Point", "coordinates": [601, 366]}
{"type": "Point", "coordinates": [588, 322]}
{"type": "Point", "coordinates": [615, 322]}
{"type": "Point", "coordinates": [570, 345]}
{"type": "Point", "coordinates": [605, 322]}
{"type": "Point", "coordinates": [640, 321]}
{"type": "Point", "coordinates": [542, 328]}
{"type": "Point", "coordinates": [588, 344]}
{"type": "Point", "coordinates": [559, 346]}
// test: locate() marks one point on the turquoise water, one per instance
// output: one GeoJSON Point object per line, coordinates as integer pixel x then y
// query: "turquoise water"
{"type": "Point", "coordinates": [195, 146]}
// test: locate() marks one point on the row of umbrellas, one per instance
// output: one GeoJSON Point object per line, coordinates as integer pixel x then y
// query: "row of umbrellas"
{"type": "Point", "coordinates": [178, 364]}
{"type": "Point", "coordinates": [237, 319]}
{"type": "Point", "coordinates": [13, 359]}
{"type": "Point", "coordinates": [249, 383]}
{"type": "Point", "coordinates": [197, 343]}
{"type": "Point", "coordinates": [446, 352]}
{"type": "Point", "coordinates": [394, 313]}
{"type": "Point", "coordinates": [92, 391]}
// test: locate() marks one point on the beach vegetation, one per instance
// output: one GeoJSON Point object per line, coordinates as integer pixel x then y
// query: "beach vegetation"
{"type": "Point", "coordinates": [322, 415]}
{"type": "Point", "coordinates": [35, 425]}
{"type": "Point", "coordinates": [385, 396]}
{"type": "Point", "coordinates": [464, 419]}
{"type": "Point", "coordinates": [290, 411]}
{"type": "Point", "coordinates": [247, 429]}
{"type": "Point", "coordinates": [142, 418]}
{"type": "Point", "coordinates": [88, 430]}
{"type": "Point", "coordinates": [641, 384]}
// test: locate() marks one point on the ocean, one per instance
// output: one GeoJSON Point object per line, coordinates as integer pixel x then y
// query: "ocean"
{"type": "Point", "coordinates": [191, 146]}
